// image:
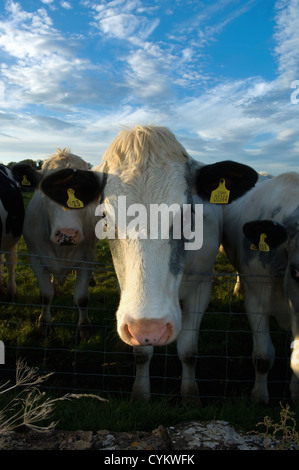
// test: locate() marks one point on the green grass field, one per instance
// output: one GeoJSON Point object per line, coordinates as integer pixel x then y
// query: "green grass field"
{"type": "Point", "coordinates": [103, 365]}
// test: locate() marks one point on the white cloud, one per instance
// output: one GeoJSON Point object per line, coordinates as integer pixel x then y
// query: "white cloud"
{"type": "Point", "coordinates": [287, 37]}
{"type": "Point", "coordinates": [123, 19]}
{"type": "Point", "coordinates": [66, 5]}
{"type": "Point", "coordinates": [145, 76]}
{"type": "Point", "coordinates": [119, 25]}
{"type": "Point", "coordinates": [43, 66]}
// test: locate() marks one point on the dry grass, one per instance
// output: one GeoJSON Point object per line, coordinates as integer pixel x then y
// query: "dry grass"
{"type": "Point", "coordinates": [30, 407]}
{"type": "Point", "coordinates": [282, 435]}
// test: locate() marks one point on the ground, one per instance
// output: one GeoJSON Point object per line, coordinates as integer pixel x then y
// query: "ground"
{"type": "Point", "coordinates": [211, 435]}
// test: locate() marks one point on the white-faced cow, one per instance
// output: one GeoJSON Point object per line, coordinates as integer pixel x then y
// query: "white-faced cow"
{"type": "Point", "coordinates": [59, 240]}
{"type": "Point", "coordinates": [143, 170]}
{"type": "Point", "coordinates": [261, 239]}
{"type": "Point", "coordinates": [11, 226]}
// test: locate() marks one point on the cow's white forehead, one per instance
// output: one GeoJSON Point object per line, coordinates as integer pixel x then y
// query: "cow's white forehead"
{"type": "Point", "coordinates": [167, 184]}
{"type": "Point", "coordinates": [148, 166]}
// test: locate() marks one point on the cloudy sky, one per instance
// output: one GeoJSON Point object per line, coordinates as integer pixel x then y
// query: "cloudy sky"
{"type": "Point", "coordinates": [223, 75]}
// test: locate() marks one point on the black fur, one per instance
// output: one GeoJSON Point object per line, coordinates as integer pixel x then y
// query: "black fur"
{"type": "Point", "coordinates": [12, 200]}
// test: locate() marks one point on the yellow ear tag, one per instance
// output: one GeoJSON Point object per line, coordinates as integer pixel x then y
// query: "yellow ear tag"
{"type": "Point", "coordinates": [72, 201]}
{"type": "Point", "coordinates": [221, 194]}
{"type": "Point", "coordinates": [263, 246]}
{"type": "Point", "coordinates": [25, 181]}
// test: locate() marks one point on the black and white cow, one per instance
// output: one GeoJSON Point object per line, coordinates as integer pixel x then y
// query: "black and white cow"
{"type": "Point", "coordinates": [261, 239]}
{"type": "Point", "coordinates": [58, 240]}
{"type": "Point", "coordinates": [11, 226]}
{"type": "Point", "coordinates": [144, 169]}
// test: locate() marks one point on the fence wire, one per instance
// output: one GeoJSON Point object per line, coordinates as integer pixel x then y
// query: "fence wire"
{"type": "Point", "coordinates": [99, 362]}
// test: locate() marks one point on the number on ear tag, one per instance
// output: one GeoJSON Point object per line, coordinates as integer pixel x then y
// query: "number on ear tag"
{"type": "Point", "coordinates": [72, 201]}
{"type": "Point", "coordinates": [221, 194]}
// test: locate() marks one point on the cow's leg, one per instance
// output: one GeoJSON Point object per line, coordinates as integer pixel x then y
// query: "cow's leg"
{"type": "Point", "coordinates": [194, 306]}
{"type": "Point", "coordinates": [141, 386]}
{"type": "Point", "coordinates": [263, 353]}
{"type": "Point", "coordinates": [12, 259]}
{"type": "Point", "coordinates": [81, 298]}
{"type": "Point", "coordinates": [46, 290]}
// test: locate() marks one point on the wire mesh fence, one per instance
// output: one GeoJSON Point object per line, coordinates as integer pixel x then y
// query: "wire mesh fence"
{"type": "Point", "coordinates": [99, 362]}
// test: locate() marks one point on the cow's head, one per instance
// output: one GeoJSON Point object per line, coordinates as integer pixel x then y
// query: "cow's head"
{"type": "Point", "coordinates": [145, 170]}
{"type": "Point", "coordinates": [66, 227]}
{"type": "Point", "coordinates": [77, 190]}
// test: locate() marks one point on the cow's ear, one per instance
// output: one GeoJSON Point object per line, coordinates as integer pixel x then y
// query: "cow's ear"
{"type": "Point", "coordinates": [264, 235]}
{"type": "Point", "coordinates": [73, 189]}
{"type": "Point", "coordinates": [223, 182]}
{"type": "Point", "coordinates": [27, 176]}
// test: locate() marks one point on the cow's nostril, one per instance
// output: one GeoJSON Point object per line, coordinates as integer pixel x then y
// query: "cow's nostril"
{"type": "Point", "coordinates": [127, 331]}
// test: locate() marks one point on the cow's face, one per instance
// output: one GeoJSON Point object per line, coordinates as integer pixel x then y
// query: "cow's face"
{"type": "Point", "coordinates": [142, 215]}
{"type": "Point", "coordinates": [66, 227]}
{"type": "Point", "coordinates": [148, 257]}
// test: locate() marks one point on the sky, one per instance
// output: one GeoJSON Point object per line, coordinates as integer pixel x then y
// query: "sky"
{"type": "Point", "coordinates": [222, 75]}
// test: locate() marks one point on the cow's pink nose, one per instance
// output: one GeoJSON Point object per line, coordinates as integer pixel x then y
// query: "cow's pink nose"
{"type": "Point", "coordinates": [67, 236]}
{"type": "Point", "coordinates": [147, 332]}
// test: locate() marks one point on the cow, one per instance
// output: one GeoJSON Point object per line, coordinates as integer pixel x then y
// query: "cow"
{"type": "Point", "coordinates": [261, 240]}
{"type": "Point", "coordinates": [59, 241]}
{"type": "Point", "coordinates": [238, 290]}
{"type": "Point", "coordinates": [164, 277]}
{"type": "Point", "coordinates": [11, 226]}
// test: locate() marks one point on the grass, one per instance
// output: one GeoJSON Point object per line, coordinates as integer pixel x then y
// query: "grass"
{"type": "Point", "coordinates": [120, 415]}
{"type": "Point", "coordinates": [103, 365]}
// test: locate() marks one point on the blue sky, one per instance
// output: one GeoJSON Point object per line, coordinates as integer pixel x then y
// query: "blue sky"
{"type": "Point", "coordinates": [218, 73]}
